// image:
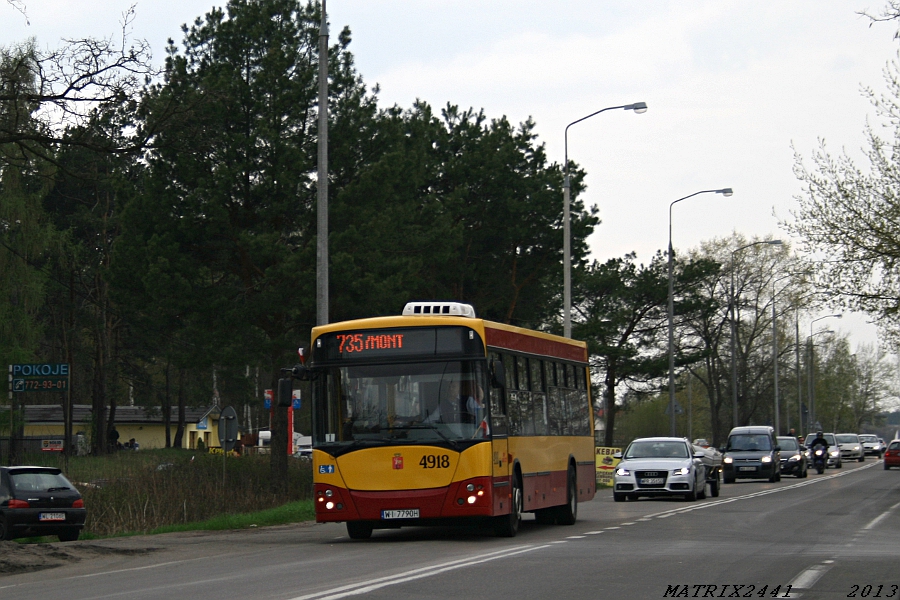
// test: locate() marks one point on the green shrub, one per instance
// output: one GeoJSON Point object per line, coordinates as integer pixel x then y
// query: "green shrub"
{"type": "Point", "coordinates": [139, 492]}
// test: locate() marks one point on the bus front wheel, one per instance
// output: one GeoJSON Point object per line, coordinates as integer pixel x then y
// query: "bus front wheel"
{"type": "Point", "coordinates": [359, 530]}
{"type": "Point", "coordinates": [508, 525]}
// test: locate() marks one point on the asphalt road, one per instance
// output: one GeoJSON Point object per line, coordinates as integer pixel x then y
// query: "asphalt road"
{"type": "Point", "coordinates": [835, 535]}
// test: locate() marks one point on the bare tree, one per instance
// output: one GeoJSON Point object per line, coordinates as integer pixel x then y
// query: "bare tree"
{"type": "Point", "coordinates": [849, 217]}
{"type": "Point", "coordinates": [68, 89]}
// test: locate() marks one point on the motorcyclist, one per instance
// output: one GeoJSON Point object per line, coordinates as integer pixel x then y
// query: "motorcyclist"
{"type": "Point", "coordinates": [819, 441]}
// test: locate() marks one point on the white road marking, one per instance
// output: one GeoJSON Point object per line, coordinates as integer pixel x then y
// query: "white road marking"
{"type": "Point", "coordinates": [364, 587]}
{"type": "Point", "coordinates": [809, 577]}
{"type": "Point", "coordinates": [705, 505]}
{"type": "Point", "coordinates": [880, 517]}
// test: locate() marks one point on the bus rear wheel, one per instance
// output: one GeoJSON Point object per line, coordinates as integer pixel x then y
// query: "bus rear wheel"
{"type": "Point", "coordinates": [568, 513]}
{"type": "Point", "coordinates": [359, 530]}
{"type": "Point", "coordinates": [508, 525]}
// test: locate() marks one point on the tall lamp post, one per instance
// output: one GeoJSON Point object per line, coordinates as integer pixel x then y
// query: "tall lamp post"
{"type": "Point", "coordinates": [637, 107]}
{"type": "Point", "coordinates": [725, 192]}
{"type": "Point", "coordinates": [734, 389]}
{"type": "Point", "coordinates": [810, 367]}
{"type": "Point", "coordinates": [775, 358]}
{"type": "Point", "coordinates": [322, 259]}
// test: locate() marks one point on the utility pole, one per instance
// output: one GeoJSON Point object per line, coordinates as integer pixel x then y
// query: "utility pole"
{"type": "Point", "coordinates": [322, 180]}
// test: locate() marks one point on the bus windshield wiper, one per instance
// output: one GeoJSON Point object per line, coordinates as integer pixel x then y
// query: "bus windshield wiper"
{"type": "Point", "coordinates": [432, 428]}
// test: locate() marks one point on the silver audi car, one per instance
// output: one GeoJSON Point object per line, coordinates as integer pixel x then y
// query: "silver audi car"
{"type": "Point", "coordinates": [659, 466]}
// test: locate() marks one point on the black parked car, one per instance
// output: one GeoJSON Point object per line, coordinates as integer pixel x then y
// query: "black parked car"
{"type": "Point", "coordinates": [36, 501]}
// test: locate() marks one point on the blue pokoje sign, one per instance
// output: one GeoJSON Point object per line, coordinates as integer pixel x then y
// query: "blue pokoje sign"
{"type": "Point", "coordinates": [39, 377]}
{"type": "Point", "coordinates": [41, 370]}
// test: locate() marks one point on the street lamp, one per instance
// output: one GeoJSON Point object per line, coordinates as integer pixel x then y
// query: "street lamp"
{"type": "Point", "coordinates": [775, 353]}
{"type": "Point", "coordinates": [812, 389]}
{"type": "Point", "coordinates": [637, 107]}
{"type": "Point", "coordinates": [734, 391]}
{"type": "Point", "coordinates": [725, 192]}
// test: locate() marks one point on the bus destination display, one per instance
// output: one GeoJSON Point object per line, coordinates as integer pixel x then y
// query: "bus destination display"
{"type": "Point", "coordinates": [383, 343]}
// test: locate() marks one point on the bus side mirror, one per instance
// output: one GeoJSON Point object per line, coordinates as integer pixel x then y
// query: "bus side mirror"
{"type": "Point", "coordinates": [285, 392]}
{"type": "Point", "coordinates": [301, 372]}
{"type": "Point", "coordinates": [498, 374]}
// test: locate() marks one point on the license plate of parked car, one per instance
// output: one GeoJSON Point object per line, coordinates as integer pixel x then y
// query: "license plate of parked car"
{"type": "Point", "coordinates": [403, 513]}
{"type": "Point", "coordinates": [52, 517]}
{"type": "Point", "coordinates": [652, 481]}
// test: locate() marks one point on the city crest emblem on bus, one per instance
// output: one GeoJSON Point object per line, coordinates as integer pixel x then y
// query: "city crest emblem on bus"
{"type": "Point", "coordinates": [398, 461]}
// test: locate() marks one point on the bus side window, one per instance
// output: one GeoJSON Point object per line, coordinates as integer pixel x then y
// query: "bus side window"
{"type": "Point", "coordinates": [497, 398]}
{"type": "Point", "coordinates": [538, 397]}
{"type": "Point", "coordinates": [556, 412]}
{"type": "Point", "coordinates": [537, 375]}
{"type": "Point", "coordinates": [523, 413]}
{"type": "Point", "coordinates": [522, 374]}
{"type": "Point", "coordinates": [515, 416]}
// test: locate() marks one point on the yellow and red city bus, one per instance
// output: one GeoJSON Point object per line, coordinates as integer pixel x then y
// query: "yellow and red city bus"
{"type": "Point", "coordinates": [436, 416]}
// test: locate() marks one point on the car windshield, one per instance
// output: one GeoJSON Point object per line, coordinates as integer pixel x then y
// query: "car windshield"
{"type": "Point", "coordinates": [656, 449]}
{"type": "Point", "coordinates": [39, 481]}
{"type": "Point", "coordinates": [748, 442]}
{"type": "Point", "coordinates": [788, 443]}
{"type": "Point", "coordinates": [894, 446]}
{"type": "Point", "coordinates": [846, 438]}
{"type": "Point", "coordinates": [868, 438]}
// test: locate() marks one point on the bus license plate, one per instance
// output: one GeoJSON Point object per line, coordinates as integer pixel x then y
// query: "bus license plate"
{"type": "Point", "coordinates": [403, 513]}
{"type": "Point", "coordinates": [52, 517]}
{"type": "Point", "coordinates": [652, 481]}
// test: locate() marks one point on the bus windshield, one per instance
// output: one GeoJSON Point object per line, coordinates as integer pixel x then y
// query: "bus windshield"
{"type": "Point", "coordinates": [424, 402]}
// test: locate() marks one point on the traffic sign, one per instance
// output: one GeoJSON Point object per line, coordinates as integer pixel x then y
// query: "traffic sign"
{"type": "Point", "coordinates": [228, 428]}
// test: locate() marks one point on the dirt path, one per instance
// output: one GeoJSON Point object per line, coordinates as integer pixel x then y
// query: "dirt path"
{"type": "Point", "coordinates": [21, 558]}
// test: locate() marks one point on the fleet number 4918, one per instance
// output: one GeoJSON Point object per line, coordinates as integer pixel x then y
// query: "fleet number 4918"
{"type": "Point", "coordinates": [435, 461]}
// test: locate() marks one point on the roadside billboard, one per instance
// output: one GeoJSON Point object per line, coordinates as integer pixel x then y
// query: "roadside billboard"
{"type": "Point", "coordinates": [606, 465]}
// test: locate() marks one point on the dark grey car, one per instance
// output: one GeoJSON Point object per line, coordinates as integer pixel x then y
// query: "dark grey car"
{"type": "Point", "coordinates": [37, 501]}
{"type": "Point", "coordinates": [751, 453]}
{"type": "Point", "coordinates": [793, 456]}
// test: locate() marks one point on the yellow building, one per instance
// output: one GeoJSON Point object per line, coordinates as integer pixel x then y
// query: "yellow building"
{"type": "Point", "coordinates": [45, 429]}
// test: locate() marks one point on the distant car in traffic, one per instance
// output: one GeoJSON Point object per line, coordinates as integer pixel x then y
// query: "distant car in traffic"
{"type": "Point", "coordinates": [37, 501]}
{"type": "Point", "coordinates": [793, 456]}
{"type": "Point", "coordinates": [659, 466]}
{"type": "Point", "coordinates": [751, 453]}
{"type": "Point", "coordinates": [872, 445]}
{"type": "Point", "coordinates": [702, 442]}
{"type": "Point", "coordinates": [834, 450]}
{"type": "Point", "coordinates": [851, 447]}
{"type": "Point", "coordinates": [892, 455]}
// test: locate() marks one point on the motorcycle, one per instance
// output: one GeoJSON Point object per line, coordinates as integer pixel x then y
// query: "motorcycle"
{"type": "Point", "coordinates": [819, 458]}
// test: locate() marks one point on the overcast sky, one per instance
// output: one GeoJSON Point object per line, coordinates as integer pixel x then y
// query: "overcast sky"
{"type": "Point", "coordinates": [731, 87]}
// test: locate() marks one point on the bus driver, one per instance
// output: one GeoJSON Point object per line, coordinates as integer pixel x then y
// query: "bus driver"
{"type": "Point", "coordinates": [457, 404]}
